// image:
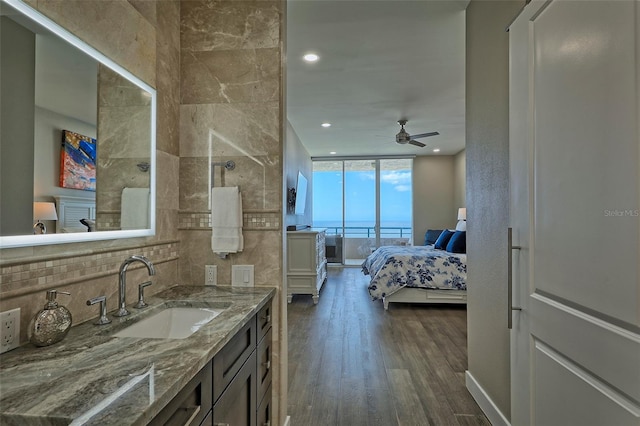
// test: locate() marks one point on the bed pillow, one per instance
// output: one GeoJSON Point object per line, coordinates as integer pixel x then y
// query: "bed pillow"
{"type": "Point", "coordinates": [458, 242]}
{"type": "Point", "coordinates": [431, 236]}
{"type": "Point", "coordinates": [443, 239]}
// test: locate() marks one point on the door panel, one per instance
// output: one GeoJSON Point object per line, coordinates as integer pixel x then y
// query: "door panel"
{"type": "Point", "coordinates": [562, 389]}
{"type": "Point", "coordinates": [586, 155]}
{"type": "Point", "coordinates": [575, 201]}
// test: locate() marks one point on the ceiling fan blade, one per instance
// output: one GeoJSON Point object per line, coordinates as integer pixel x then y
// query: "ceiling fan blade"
{"type": "Point", "coordinates": [416, 143]}
{"type": "Point", "coordinates": [424, 135]}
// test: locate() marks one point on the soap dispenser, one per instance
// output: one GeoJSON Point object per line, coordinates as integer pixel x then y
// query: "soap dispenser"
{"type": "Point", "coordinates": [52, 323]}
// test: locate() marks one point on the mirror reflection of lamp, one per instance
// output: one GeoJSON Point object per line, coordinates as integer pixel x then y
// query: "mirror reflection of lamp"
{"type": "Point", "coordinates": [43, 211]}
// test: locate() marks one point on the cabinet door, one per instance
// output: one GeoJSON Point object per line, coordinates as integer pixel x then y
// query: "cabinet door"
{"type": "Point", "coordinates": [264, 320]}
{"type": "Point", "coordinates": [192, 403]}
{"type": "Point", "coordinates": [264, 410]}
{"type": "Point", "coordinates": [237, 404]}
{"type": "Point", "coordinates": [234, 354]}
{"type": "Point", "coordinates": [264, 365]}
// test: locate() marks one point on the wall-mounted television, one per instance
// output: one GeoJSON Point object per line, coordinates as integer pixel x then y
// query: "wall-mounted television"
{"type": "Point", "coordinates": [301, 194]}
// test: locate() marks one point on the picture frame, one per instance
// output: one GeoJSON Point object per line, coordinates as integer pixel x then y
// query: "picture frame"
{"type": "Point", "coordinates": [78, 161]}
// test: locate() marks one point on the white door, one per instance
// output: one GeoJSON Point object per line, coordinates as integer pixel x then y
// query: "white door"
{"type": "Point", "coordinates": [574, 151]}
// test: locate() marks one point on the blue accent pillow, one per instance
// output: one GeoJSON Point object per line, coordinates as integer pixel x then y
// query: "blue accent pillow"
{"type": "Point", "coordinates": [458, 242]}
{"type": "Point", "coordinates": [431, 236]}
{"type": "Point", "coordinates": [443, 239]}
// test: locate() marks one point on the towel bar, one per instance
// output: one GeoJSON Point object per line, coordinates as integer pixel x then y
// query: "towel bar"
{"type": "Point", "coordinates": [228, 165]}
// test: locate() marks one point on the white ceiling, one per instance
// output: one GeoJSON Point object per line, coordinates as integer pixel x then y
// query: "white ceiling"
{"type": "Point", "coordinates": [380, 61]}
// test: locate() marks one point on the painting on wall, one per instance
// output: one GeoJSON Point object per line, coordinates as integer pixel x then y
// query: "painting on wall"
{"type": "Point", "coordinates": [78, 161]}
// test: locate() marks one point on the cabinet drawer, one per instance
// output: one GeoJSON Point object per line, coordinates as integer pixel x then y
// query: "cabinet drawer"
{"type": "Point", "coordinates": [237, 405]}
{"type": "Point", "coordinates": [264, 320]}
{"type": "Point", "coordinates": [264, 410]}
{"type": "Point", "coordinates": [208, 421]}
{"type": "Point", "coordinates": [264, 357]}
{"type": "Point", "coordinates": [191, 405]}
{"type": "Point", "coordinates": [231, 358]}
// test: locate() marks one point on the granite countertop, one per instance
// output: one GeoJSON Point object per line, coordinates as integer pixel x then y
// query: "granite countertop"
{"type": "Point", "coordinates": [94, 378]}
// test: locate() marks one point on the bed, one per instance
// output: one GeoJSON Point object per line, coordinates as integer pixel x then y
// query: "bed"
{"type": "Point", "coordinates": [416, 274]}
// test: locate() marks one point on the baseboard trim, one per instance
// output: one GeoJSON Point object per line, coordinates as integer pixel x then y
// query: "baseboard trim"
{"type": "Point", "coordinates": [287, 421]}
{"type": "Point", "coordinates": [490, 409]}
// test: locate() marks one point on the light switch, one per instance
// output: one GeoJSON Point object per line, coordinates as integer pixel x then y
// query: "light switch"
{"type": "Point", "coordinates": [242, 275]}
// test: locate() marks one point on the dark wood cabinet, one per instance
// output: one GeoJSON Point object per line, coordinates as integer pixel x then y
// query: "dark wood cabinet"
{"type": "Point", "coordinates": [233, 389]}
{"type": "Point", "coordinates": [264, 410]}
{"type": "Point", "coordinates": [191, 405]}
{"type": "Point", "coordinates": [232, 357]}
{"type": "Point", "coordinates": [237, 404]}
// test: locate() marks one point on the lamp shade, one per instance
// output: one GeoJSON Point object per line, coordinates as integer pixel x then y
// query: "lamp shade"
{"type": "Point", "coordinates": [44, 211]}
{"type": "Point", "coordinates": [462, 213]}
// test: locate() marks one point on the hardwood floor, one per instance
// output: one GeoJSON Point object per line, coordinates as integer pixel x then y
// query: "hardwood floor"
{"type": "Point", "coordinates": [351, 363]}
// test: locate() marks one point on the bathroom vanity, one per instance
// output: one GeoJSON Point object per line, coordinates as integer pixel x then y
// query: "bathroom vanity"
{"type": "Point", "coordinates": [221, 374]}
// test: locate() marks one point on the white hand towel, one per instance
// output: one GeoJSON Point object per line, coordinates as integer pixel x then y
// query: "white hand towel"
{"type": "Point", "coordinates": [226, 220]}
{"type": "Point", "coordinates": [134, 209]}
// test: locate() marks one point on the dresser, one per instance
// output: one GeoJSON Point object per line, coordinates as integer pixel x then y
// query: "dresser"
{"type": "Point", "coordinates": [306, 263]}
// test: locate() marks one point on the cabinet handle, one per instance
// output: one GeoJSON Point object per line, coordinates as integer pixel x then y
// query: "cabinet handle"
{"type": "Point", "coordinates": [222, 424]}
{"type": "Point", "coordinates": [510, 249]}
{"type": "Point", "coordinates": [267, 318]}
{"type": "Point", "coordinates": [267, 365]}
{"type": "Point", "coordinates": [266, 424]}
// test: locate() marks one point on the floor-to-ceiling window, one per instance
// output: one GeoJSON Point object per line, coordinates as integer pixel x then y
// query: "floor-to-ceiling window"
{"type": "Point", "coordinates": [363, 204]}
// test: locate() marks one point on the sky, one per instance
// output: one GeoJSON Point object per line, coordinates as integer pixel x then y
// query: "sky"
{"type": "Point", "coordinates": [395, 194]}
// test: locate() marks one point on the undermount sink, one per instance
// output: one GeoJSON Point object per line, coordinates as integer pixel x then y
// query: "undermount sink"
{"type": "Point", "coordinates": [171, 323]}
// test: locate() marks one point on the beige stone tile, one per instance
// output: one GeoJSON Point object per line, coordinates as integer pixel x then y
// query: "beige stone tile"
{"type": "Point", "coordinates": [124, 132]}
{"type": "Point", "coordinates": [194, 183]}
{"type": "Point", "coordinates": [168, 72]}
{"type": "Point", "coordinates": [166, 224]}
{"type": "Point", "coordinates": [114, 90]}
{"type": "Point", "coordinates": [147, 8]}
{"type": "Point", "coordinates": [246, 75]}
{"type": "Point", "coordinates": [167, 190]}
{"type": "Point", "coordinates": [261, 248]}
{"type": "Point", "coordinates": [114, 27]}
{"type": "Point", "coordinates": [231, 129]}
{"type": "Point", "coordinates": [221, 25]}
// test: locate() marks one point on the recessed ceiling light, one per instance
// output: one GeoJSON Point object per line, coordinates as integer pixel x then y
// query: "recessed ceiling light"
{"type": "Point", "coordinates": [332, 153]}
{"type": "Point", "coordinates": [311, 57]}
{"type": "Point", "coordinates": [326, 124]}
{"type": "Point", "coordinates": [436, 150]}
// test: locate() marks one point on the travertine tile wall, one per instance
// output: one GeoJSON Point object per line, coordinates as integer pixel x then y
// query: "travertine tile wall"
{"type": "Point", "coordinates": [232, 109]}
{"type": "Point", "coordinates": [124, 126]}
{"type": "Point", "coordinates": [125, 32]}
{"type": "Point", "coordinates": [230, 79]}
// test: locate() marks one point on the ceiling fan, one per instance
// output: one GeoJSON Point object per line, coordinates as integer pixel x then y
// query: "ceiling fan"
{"type": "Point", "coordinates": [405, 138]}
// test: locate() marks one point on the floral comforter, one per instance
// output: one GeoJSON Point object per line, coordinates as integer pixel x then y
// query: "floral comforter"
{"type": "Point", "coordinates": [394, 267]}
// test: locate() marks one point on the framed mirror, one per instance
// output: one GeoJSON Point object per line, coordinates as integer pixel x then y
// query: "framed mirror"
{"type": "Point", "coordinates": [77, 138]}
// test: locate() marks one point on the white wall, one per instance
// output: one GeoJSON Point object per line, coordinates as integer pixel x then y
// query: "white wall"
{"type": "Point", "coordinates": [48, 141]}
{"type": "Point", "coordinates": [460, 179]}
{"type": "Point", "coordinates": [487, 155]}
{"type": "Point", "coordinates": [433, 195]}
{"type": "Point", "coordinates": [297, 159]}
{"type": "Point", "coordinates": [17, 85]}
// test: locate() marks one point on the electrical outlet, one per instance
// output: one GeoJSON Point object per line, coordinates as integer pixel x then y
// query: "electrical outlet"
{"type": "Point", "coordinates": [210, 275]}
{"type": "Point", "coordinates": [9, 330]}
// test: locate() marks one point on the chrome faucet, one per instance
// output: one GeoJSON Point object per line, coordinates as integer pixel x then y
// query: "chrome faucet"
{"type": "Point", "coordinates": [122, 281]}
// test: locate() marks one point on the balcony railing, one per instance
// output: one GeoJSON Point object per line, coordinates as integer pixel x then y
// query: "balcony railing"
{"type": "Point", "coordinates": [369, 231]}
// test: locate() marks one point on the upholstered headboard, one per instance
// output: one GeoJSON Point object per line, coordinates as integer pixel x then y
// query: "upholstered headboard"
{"type": "Point", "coordinates": [70, 210]}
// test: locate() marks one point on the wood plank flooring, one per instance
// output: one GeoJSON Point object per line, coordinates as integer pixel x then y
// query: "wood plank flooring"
{"type": "Point", "coordinates": [351, 363]}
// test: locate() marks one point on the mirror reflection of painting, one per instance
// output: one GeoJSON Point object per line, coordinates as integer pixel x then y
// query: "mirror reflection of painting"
{"type": "Point", "coordinates": [78, 161]}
